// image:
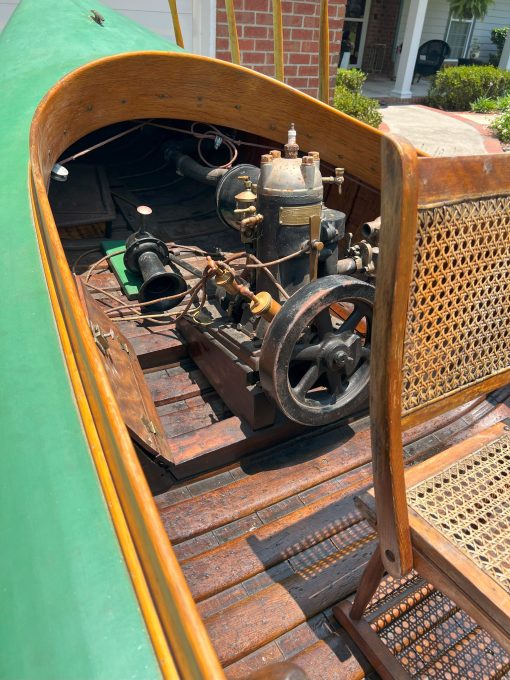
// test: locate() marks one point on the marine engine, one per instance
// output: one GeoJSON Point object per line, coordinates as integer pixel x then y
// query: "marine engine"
{"type": "Point", "coordinates": [285, 327]}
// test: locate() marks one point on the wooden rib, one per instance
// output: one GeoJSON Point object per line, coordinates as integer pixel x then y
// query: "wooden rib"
{"type": "Point", "coordinates": [251, 623]}
{"type": "Point", "coordinates": [250, 554]}
{"type": "Point", "coordinates": [191, 87]}
{"type": "Point", "coordinates": [399, 216]}
{"type": "Point", "coordinates": [457, 179]}
{"type": "Point", "coordinates": [457, 398]}
{"type": "Point", "coordinates": [324, 53]}
{"type": "Point", "coordinates": [176, 23]}
{"type": "Point", "coordinates": [232, 32]}
{"type": "Point", "coordinates": [278, 39]}
{"type": "Point", "coordinates": [122, 531]}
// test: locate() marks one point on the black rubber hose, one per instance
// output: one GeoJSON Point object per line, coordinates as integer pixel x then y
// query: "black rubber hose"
{"type": "Point", "coordinates": [187, 167]}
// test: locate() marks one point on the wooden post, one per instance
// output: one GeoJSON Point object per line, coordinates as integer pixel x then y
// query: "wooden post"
{"type": "Point", "coordinates": [175, 22]}
{"type": "Point", "coordinates": [278, 39]}
{"type": "Point", "coordinates": [232, 32]}
{"type": "Point", "coordinates": [324, 53]}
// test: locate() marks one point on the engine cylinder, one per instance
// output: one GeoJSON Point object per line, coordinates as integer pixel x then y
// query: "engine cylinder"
{"type": "Point", "coordinates": [289, 192]}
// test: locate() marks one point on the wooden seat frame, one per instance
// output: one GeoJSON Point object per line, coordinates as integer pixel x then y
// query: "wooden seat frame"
{"type": "Point", "coordinates": [406, 541]}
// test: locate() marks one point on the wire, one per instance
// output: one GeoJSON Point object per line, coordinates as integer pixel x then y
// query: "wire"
{"type": "Point", "coordinates": [100, 144]}
{"type": "Point", "coordinates": [78, 259]}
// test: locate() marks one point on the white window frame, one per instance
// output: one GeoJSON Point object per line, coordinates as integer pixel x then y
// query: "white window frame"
{"type": "Point", "coordinates": [469, 37]}
{"type": "Point", "coordinates": [204, 27]}
{"type": "Point", "coordinates": [364, 26]}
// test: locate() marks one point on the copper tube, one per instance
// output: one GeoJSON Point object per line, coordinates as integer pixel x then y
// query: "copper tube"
{"type": "Point", "coordinates": [278, 39]}
{"type": "Point", "coordinates": [324, 53]}
{"type": "Point", "coordinates": [232, 32]}
{"type": "Point", "coordinates": [175, 21]}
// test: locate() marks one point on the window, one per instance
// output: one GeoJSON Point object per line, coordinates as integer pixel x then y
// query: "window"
{"type": "Point", "coordinates": [458, 36]}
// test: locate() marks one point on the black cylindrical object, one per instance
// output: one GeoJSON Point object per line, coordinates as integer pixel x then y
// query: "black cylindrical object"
{"type": "Point", "coordinates": [289, 192]}
{"type": "Point", "coordinates": [147, 256]}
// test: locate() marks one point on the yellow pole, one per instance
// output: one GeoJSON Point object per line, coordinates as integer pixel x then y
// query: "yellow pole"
{"type": "Point", "coordinates": [278, 39]}
{"type": "Point", "coordinates": [232, 32]}
{"type": "Point", "coordinates": [324, 53]}
{"type": "Point", "coordinates": [175, 21]}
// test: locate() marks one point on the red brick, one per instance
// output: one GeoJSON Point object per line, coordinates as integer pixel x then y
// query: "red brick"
{"type": "Point", "coordinates": [251, 58]}
{"type": "Point", "coordinates": [246, 45]}
{"type": "Point", "coordinates": [306, 8]}
{"type": "Point", "coordinates": [264, 45]}
{"type": "Point", "coordinates": [222, 44]}
{"type": "Point", "coordinates": [310, 21]}
{"type": "Point", "coordinates": [263, 18]}
{"type": "Point", "coordinates": [300, 34]}
{"type": "Point", "coordinates": [245, 17]}
{"type": "Point", "coordinates": [296, 58]}
{"type": "Point", "coordinates": [258, 5]}
{"type": "Point", "coordinates": [255, 31]}
{"type": "Point", "coordinates": [294, 20]}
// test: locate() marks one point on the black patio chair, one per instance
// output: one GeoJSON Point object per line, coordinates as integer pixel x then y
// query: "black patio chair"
{"type": "Point", "coordinates": [430, 58]}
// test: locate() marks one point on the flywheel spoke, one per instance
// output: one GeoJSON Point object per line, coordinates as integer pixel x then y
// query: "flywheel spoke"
{"type": "Point", "coordinates": [306, 352]}
{"type": "Point", "coordinates": [307, 381]}
{"type": "Point", "coordinates": [352, 320]}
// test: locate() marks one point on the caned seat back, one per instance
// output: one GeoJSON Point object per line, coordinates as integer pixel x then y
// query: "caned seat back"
{"type": "Point", "coordinates": [442, 309]}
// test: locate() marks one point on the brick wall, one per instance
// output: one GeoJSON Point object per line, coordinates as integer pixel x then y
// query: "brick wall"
{"type": "Point", "coordinates": [300, 34]}
{"type": "Point", "coordinates": [382, 25]}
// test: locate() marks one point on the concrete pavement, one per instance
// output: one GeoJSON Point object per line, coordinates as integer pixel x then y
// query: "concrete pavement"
{"type": "Point", "coordinates": [441, 133]}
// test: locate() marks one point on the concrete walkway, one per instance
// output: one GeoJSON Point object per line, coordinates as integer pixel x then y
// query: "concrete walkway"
{"type": "Point", "coordinates": [441, 133]}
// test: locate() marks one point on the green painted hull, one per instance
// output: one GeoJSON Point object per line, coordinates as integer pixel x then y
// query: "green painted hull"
{"type": "Point", "coordinates": [68, 605]}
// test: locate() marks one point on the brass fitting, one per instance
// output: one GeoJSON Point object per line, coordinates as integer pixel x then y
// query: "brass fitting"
{"type": "Point", "coordinates": [226, 280]}
{"type": "Point", "coordinates": [263, 305]}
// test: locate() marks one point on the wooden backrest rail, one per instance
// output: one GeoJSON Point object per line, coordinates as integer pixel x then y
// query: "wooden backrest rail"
{"type": "Point", "coordinates": [442, 311]}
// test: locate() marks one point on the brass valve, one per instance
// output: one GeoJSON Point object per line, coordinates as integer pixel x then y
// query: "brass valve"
{"type": "Point", "coordinates": [338, 179]}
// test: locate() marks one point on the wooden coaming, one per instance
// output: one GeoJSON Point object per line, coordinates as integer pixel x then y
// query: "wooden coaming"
{"type": "Point", "coordinates": [152, 85]}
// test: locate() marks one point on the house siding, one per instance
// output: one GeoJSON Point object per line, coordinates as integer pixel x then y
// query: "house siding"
{"type": "Point", "coordinates": [497, 16]}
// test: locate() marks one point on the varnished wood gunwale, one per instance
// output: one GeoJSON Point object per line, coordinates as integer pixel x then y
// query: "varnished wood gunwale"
{"type": "Point", "coordinates": [122, 529]}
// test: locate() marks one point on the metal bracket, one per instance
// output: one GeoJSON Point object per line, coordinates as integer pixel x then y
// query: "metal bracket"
{"type": "Point", "coordinates": [101, 338]}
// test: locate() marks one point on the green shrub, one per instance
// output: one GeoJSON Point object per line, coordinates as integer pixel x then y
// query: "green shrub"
{"type": "Point", "coordinates": [484, 105]}
{"type": "Point", "coordinates": [501, 126]}
{"type": "Point", "coordinates": [357, 106]}
{"type": "Point", "coordinates": [503, 103]}
{"type": "Point", "coordinates": [456, 88]}
{"type": "Point", "coordinates": [348, 97]}
{"type": "Point", "coordinates": [350, 78]}
{"type": "Point", "coordinates": [498, 37]}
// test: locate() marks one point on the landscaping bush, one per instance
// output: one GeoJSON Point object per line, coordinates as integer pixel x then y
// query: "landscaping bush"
{"type": "Point", "coordinates": [348, 97]}
{"type": "Point", "coordinates": [350, 78]}
{"type": "Point", "coordinates": [456, 88]}
{"type": "Point", "coordinates": [498, 37]}
{"type": "Point", "coordinates": [501, 126]}
{"type": "Point", "coordinates": [484, 105]}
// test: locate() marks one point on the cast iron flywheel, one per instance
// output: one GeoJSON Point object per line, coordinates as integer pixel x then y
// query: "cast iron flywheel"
{"type": "Point", "coordinates": [315, 355]}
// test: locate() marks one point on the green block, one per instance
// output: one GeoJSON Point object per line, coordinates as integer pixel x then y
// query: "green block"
{"type": "Point", "coordinates": [129, 282]}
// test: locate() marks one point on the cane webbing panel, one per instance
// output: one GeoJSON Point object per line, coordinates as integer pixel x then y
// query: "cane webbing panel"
{"type": "Point", "coordinates": [458, 320]}
{"type": "Point", "coordinates": [469, 504]}
{"type": "Point", "coordinates": [430, 636]}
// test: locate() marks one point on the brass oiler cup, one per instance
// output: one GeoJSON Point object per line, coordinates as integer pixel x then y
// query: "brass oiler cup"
{"type": "Point", "coordinates": [263, 305]}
